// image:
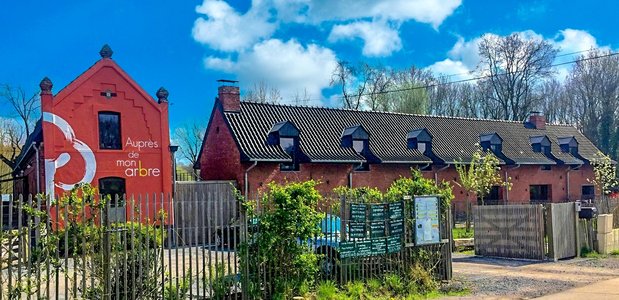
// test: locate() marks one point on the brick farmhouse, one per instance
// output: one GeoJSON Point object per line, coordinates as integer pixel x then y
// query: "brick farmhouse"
{"type": "Point", "coordinates": [256, 143]}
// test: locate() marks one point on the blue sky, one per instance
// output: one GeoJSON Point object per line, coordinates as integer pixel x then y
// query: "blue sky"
{"type": "Point", "coordinates": [289, 44]}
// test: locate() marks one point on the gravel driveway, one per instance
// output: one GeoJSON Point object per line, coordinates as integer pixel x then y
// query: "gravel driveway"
{"type": "Point", "coordinates": [492, 278]}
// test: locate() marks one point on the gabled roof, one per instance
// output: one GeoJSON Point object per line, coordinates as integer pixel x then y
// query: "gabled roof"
{"type": "Point", "coordinates": [100, 64]}
{"type": "Point", "coordinates": [454, 138]}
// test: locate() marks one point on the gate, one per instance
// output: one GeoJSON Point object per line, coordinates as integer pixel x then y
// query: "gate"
{"type": "Point", "coordinates": [515, 231]}
{"type": "Point", "coordinates": [530, 231]}
{"type": "Point", "coordinates": [562, 223]}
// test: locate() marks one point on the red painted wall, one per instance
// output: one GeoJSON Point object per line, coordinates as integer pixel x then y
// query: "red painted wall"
{"type": "Point", "coordinates": [144, 160]}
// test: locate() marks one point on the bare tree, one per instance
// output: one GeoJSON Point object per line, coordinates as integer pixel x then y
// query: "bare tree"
{"type": "Point", "coordinates": [263, 93]}
{"type": "Point", "coordinates": [514, 66]}
{"type": "Point", "coordinates": [189, 138]}
{"type": "Point", "coordinates": [593, 88]}
{"type": "Point", "coordinates": [380, 80]}
{"type": "Point", "coordinates": [19, 123]}
{"type": "Point", "coordinates": [353, 82]}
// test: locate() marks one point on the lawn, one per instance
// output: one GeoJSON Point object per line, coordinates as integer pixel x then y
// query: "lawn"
{"type": "Point", "coordinates": [461, 233]}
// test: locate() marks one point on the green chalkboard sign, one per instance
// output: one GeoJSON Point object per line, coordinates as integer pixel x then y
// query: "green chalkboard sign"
{"type": "Point", "coordinates": [364, 248]}
{"type": "Point", "coordinates": [396, 227]}
{"type": "Point", "coordinates": [347, 249]}
{"type": "Point", "coordinates": [377, 229]}
{"type": "Point", "coordinates": [379, 246]}
{"type": "Point", "coordinates": [396, 210]}
{"type": "Point", "coordinates": [377, 212]}
{"type": "Point", "coordinates": [357, 212]}
{"type": "Point", "coordinates": [394, 244]}
{"type": "Point", "coordinates": [356, 230]}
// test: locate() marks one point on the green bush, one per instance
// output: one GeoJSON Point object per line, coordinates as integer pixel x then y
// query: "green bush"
{"type": "Point", "coordinates": [280, 246]}
{"type": "Point", "coordinates": [419, 185]}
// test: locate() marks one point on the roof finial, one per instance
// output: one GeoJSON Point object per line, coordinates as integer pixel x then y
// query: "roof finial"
{"type": "Point", "coordinates": [106, 51]}
{"type": "Point", "coordinates": [46, 86]}
{"type": "Point", "coordinates": [162, 95]}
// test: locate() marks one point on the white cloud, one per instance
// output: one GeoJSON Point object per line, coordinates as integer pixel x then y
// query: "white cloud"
{"type": "Point", "coordinates": [288, 66]}
{"type": "Point", "coordinates": [433, 12]}
{"type": "Point", "coordinates": [451, 67]}
{"type": "Point", "coordinates": [380, 39]}
{"type": "Point", "coordinates": [226, 30]}
{"type": "Point", "coordinates": [574, 40]}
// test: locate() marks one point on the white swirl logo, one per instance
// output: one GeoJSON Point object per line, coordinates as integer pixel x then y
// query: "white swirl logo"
{"type": "Point", "coordinates": [51, 165]}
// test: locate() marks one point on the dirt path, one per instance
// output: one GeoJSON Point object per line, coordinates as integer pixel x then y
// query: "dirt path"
{"type": "Point", "coordinates": [491, 278]}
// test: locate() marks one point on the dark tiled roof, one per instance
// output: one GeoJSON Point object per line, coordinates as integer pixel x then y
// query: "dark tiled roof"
{"type": "Point", "coordinates": [35, 137]}
{"type": "Point", "coordinates": [454, 139]}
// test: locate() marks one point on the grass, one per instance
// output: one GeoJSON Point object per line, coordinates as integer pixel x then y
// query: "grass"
{"type": "Point", "coordinates": [461, 233]}
{"type": "Point", "coordinates": [588, 253]}
{"type": "Point", "coordinates": [614, 252]}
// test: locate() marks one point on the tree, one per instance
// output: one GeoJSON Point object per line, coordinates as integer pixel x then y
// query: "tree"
{"type": "Point", "coordinates": [605, 174]}
{"type": "Point", "coordinates": [514, 66]}
{"type": "Point", "coordinates": [263, 93]}
{"type": "Point", "coordinates": [480, 175]}
{"type": "Point", "coordinates": [352, 81]}
{"type": "Point", "coordinates": [189, 138]}
{"type": "Point", "coordinates": [18, 124]}
{"type": "Point", "coordinates": [409, 93]}
{"type": "Point", "coordinates": [593, 89]}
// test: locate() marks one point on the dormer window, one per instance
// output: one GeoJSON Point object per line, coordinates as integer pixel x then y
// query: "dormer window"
{"type": "Point", "coordinates": [541, 144]}
{"type": "Point", "coordinates": [357, 138]}
{"type": "Point", "coordinates": [286, 136]}
{"type": "Point", "coordinates": [491, 142]}
{"type": "Point", "coordinates": [568, 145]}
{"type": "Point", "coordinates": [420, 139]}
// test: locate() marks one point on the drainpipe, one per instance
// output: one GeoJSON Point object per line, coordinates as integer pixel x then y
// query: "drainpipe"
{"type": "Point", "coordinates": [246, 183]}
{"type": "Point", "coordinates": [567, 178]}
{"type": "Point", "coordinates": [506, 177]}
{"type": "Point", "coordinates": [38, 173]}
{"type": "Point", "coordinates": [438, 171]}
{"type": "Point", "coordinates": [350, 173]}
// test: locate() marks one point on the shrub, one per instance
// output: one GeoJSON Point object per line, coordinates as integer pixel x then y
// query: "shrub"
{"type": "Point", "coordinates": [419, 185]}
{"type": "Point", "coordinates": [420, 280]}
{"type": "Point", "coordinates": [280, 246]}
{"type": "Point", "coordinates": [327, 290]}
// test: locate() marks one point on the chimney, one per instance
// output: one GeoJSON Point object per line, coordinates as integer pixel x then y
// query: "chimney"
{"type": "Point", "coordinates": [229, 95]}
{"type": "Point", "coordinates": [536, 120]}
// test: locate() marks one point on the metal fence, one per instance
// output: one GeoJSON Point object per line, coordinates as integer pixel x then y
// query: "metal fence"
{"type": "Point", "coordinates": [79, 248]}
{"type": "Point", "coordinates": [74, 251]}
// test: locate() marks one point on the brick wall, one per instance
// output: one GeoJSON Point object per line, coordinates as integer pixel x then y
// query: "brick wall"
{"type": "Point", "coordinates": [220, 158]}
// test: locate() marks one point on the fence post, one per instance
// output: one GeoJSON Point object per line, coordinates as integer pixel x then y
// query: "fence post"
{"type": "Point", "coordinates": [577, 229]}
{"type": "Point", "coordinates": [550, 231]}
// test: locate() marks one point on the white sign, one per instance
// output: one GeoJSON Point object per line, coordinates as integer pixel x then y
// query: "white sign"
{"type": "Point", "coordinates": [426, 216]}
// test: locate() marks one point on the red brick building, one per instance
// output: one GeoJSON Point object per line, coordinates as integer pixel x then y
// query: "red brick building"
{"type": "Point", "coordinates": [256, 143]}
{"type": "Point", "coordinates": [102, 129]}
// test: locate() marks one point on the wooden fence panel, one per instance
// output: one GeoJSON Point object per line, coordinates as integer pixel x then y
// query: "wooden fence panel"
{"type": "Point", "coordinates": [562, 233]}
{"type": "Point", "coordinates": [515, 231]}
{"type": "Point", "coordinates": [191, 198]}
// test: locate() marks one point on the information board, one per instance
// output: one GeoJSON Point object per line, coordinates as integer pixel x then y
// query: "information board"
{"type": "Point", "coordinates": [426, 215]}
{"type": "Point", "coordinates": [357, 212]}
{"type": "Point", "coordinates": [364, 248]}
{"type": "Point", "coordinates": [379, 246]}
{"type": "Point", "coordinates": [377, 212]}
{"type": "Point", "coordinates": [396, 210]}
{"type": "Point", "coordinates": [356, 230]}
{"type": "Point", "coordinates": [396, 227]}
{"type": "Point", "coordinates": [377, 229]}
{"type": "Point", "coordinates": [347, 249]}
{"type": "Point", "coordinates": [394, 244]}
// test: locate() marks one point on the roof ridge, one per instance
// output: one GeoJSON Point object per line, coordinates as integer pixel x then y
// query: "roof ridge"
{"type": "Point", "coordinates": [387, 112]}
